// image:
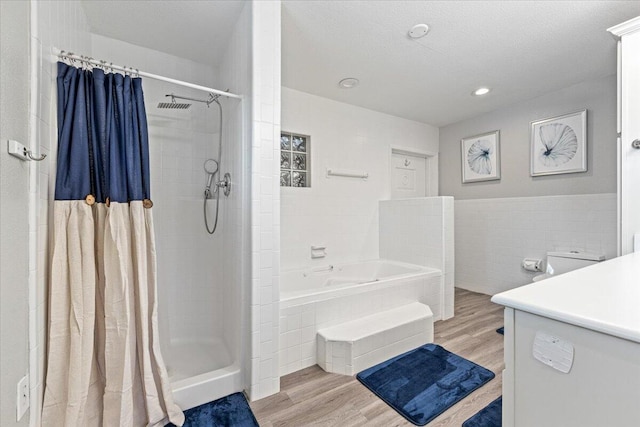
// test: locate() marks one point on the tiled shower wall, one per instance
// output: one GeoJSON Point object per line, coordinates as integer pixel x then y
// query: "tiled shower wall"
{"type": "Point", "coordinates": [265, 198]}
{"type": "Point", "coordinates": [494, 235]}
{"type": "Point", "coordinates": [63, 25]}
{"type": "Point", "coordinates": [190, 261]}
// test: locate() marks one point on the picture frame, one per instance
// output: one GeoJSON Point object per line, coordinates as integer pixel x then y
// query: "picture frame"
{"type": "Point", "coordinates": [480, 155]}
{"type": "Point", "coordinates": [559, 144]}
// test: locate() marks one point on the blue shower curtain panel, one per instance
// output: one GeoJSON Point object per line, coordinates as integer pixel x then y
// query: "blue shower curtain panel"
{"type": "Point", "coordinates": [104, 365]}
{"type": "Point", "coordinates": [103, 142]}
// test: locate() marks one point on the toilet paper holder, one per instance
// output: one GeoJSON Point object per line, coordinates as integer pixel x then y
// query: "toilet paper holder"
{"type": "Point", "coordinates": [532, 264]}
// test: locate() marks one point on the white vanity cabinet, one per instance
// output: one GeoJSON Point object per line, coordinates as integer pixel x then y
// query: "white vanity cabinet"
{"type": "Point", "coordinates": [584, 367]}
{"type": "Point", "coordinates": [628, 34]}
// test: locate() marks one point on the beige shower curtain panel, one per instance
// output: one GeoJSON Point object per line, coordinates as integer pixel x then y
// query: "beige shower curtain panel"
{"type": "Point", "coordinates": [104, 363]}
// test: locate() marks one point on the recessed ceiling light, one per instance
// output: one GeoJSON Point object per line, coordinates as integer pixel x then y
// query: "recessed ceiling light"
{"type": "Point", "coordinates": [348, 83]}
{"type": "Point", "coordinates": [418, 31]}
{"type": "Point", "coordinates": [481, 91]}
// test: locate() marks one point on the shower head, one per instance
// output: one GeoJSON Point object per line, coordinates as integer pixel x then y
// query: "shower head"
{"type": "Point", "coordinates": [211, 168]}
{"type": "Point", "coordinates": [173, 104]}
{"type": "Point", "coordinates": [183, 106]}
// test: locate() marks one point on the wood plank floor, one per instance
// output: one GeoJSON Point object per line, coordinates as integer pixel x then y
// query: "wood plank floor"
{"type": "Point", "coordinates": [312, 397]}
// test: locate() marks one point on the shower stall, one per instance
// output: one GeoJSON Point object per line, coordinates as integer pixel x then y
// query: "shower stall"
{"type": "Point", "coordinates": [199, 310]}
{"type": "Point", "coordinates": [195, 139]}
{"type": "Point", "coordinates": [217, 310]}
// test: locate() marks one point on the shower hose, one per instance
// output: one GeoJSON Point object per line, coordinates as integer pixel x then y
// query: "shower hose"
{"type": "Point", "coordinates": [216, 191]}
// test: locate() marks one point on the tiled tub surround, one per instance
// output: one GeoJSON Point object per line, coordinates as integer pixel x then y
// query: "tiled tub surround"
{"type": "Point", "coordinates": [494, 235]}
{"type": "Point", "coordinates": [357, 140]}
{"type": "Point", "coordinates": [420, 231]}
{"type": "Point", "coordinates": [323, 298]}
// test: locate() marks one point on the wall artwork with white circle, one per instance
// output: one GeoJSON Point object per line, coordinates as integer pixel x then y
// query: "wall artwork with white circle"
{"type": "Point", "coordinates": [480, 156]}
{"type": "Point", "coordinates": [559, 144]}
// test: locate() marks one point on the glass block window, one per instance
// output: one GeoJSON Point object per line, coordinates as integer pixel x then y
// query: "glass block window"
{"type": "Point", "coordinates": [294, 160]}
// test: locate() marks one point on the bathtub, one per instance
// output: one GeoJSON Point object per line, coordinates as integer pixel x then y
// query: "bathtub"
{"type": "Point", "coordinates": [324, 296]}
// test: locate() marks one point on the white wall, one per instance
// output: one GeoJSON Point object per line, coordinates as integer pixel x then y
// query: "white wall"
{"type": "Point", "coordinates": [597, 96]}
{"type": "Point", "coordinates": [14, 208]}
{"type": "Point", "coordinates": [61, 25]}
{"type": "Point", "coordinates": [493, 236]}
{"type": "Point", "coordinates": [341, 213]}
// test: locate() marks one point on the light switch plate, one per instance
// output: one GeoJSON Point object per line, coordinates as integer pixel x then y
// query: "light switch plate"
{"type": "Point", "coordinates": [553, 351]}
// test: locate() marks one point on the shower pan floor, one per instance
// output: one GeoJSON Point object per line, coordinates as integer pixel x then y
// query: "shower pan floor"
{"type": "Point", "coordinates": [190, 357]}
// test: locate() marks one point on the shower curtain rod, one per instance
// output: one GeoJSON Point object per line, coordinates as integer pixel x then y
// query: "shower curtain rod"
{"type": "Point", "coordinates": [135, 71]}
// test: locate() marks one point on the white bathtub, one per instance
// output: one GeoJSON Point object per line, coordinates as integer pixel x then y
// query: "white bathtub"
{"type": "Point", "coordinates": [316, 298]}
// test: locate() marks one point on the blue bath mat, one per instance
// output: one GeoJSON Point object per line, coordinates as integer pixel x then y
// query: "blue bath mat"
{"type": "Point", "coordinates": [232, 410]}
{"type": "Point", "coordinates": [500, 330]}
{"type": "Point", "coordinates": [423, 383]}
{"type": "Point", "coordinates": [489, 416]}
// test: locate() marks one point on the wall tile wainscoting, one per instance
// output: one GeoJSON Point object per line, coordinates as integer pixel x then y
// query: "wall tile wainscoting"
{"type": "Point", "coordinates": [493, 236]}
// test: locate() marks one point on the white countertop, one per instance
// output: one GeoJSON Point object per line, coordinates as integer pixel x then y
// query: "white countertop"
{"type": "Point", "coordinates": [604, 297]}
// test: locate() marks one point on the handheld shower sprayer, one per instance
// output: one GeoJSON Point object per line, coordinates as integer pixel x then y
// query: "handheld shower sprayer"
{"type": "Point", "coordinates": [211, 168]}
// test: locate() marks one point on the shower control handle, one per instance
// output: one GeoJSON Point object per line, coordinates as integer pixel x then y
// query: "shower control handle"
{"type": "Point", "coordinates": [225, 184]}
{"type": "Point", "coordinates": [636, 143]}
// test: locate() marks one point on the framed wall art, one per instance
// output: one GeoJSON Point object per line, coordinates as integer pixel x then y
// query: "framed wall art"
{"type": "Point", "coordinates": [559, 144]}
{"type": "Point", "coordinates": [481, 157]}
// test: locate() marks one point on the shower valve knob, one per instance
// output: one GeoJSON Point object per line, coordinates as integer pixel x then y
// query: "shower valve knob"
{"type": "Point", "coordinates": [225, 184]}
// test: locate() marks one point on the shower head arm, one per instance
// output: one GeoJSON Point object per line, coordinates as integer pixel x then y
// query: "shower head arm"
{"type": "Point", "coordinates": [212, 98]}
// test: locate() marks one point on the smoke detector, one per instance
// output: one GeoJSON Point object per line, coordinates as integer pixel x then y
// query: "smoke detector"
{"type": "Point", "coordinates": [419, 30]}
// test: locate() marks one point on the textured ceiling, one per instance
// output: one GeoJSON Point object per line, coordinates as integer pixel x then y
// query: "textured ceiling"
{"type": "Point", "coordinates": [521, 49]}
{"type": "Point", "coordinates": [196, 30]}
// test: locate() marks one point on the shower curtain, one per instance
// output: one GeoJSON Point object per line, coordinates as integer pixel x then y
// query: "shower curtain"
{"type": "Point", "coordinates": [104, 365]}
